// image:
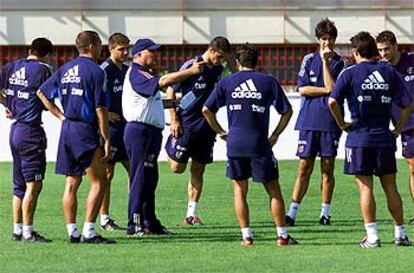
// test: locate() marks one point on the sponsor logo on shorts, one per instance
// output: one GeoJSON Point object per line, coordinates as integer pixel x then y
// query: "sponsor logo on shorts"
{"type": "Point", "coordinates": [151, 157]}
{"type": "Point", "coordinates": [178, 154]}
{"type": "Point", "coordinates": [348, 155]}
{"type": "Point", "coordinates": [181, 148]}
{"type": "Point", "coordinates": [150, 161]}
{"type": "Point", "coordinates": [38, 177]}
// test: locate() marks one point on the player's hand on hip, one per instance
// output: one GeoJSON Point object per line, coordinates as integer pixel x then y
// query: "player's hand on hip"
{"type": "Point", "coordinates": [175, 128]}
{"type": "Point", "coordinates": [346, 126]}
{"type": "Point", "coordinates": [223, 136]}
{"type": "Point", "coordinates": [107, 150]}
{"type": "Point", "coordinates": [395, 133]}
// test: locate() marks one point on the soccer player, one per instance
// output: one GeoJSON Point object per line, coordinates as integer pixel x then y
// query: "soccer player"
{"type": "Point", "coordinates": [370, 88]}
{"type": "Point", "coordinates": [115, 70]}
{"type": "Point", "coordinates": [20, 81]}
{"type": "Point", "coordinates": [142, 108]}
{"type": "Point", "coordinates": [403, 62]}
{"type": "Point", "coordinates": [191, 136]}
{"type": "Point", "coordinates": [318, 133]}
{"type": "Point", "coordinates": [248, 96]}
{"type": "Point", "coordinates": [80, 85]}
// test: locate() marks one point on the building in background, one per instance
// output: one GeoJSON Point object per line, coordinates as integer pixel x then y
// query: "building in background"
{"type": "Point", "coordinates": [283, 30]}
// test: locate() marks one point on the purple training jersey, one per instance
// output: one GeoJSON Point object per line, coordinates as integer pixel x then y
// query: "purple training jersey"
{"type": "Point", "coordinates": [370, 89]}
{"type": "Point", "coordinates": [248, 96]}
{"type": "Point", "coordinates": [80, 86]}
{"type": "Point", "coordinates": [21, 80]}
{"type": "Point", "coordinates": [115, 80]}
{"type": "Point", "coordinates": [195, 91]}
{"type": "Point", "coordinates": [405, 67]}
{"type": "Point", "coordinates": [314, 114]}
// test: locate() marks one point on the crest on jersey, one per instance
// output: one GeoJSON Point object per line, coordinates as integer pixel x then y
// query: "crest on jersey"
{"type": "Point", "coordinates": [178, 154]}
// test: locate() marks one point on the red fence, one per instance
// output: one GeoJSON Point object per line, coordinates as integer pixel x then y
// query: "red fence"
{"type": "Point", "coordinates": [282, 61]}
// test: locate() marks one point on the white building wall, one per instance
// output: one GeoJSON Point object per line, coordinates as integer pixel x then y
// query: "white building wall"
{"type": "Point", "coordinates": [199, 26]}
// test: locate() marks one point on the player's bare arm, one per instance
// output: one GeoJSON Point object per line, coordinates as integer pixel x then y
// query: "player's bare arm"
{"type": "Point", "coordinates": [179, 76]}
{"type": "Point", "coordinates": [50, 106]}
{"type": "Point", "coordinates": [2, 96]}
{"type": "Point", "coordinates": [175, 126]}
{"type": "Point", "coordinates": [281, 126]}
{"type": "Point", "coordinates": [328, 79]}
{"type": "Point", "coordinates": [339, 118]}
{"type": "Point", "coordinates": [214, 124]}
{"type": "Point", "coordinates": [312, 91]}
{"type": "Point", "coordinates": [405, 113]}
{"type": "Point", "coordinates": [102, 117]}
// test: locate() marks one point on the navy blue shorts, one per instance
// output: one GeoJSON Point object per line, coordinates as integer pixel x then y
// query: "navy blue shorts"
{"type": "Point", "coordinates": [370, 161]}
{"type": "Point", "coordinates": [116, 135]}
{"type": "Point", "coordinates": [28, 146]}
{"type": "Point", "coordinates": [261, 168]}
{"type": "Point", "coordinates": [407, 141]}
{"type": "Point", "coordinates": [317, 143]}
{"type": "Point", "coordinates": [77, 145]}
{"type": "Point", "coordinates": [197, 146]}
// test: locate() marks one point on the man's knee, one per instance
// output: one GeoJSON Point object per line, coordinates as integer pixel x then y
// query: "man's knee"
{"type": "Point", "coordinates": [177, 167]}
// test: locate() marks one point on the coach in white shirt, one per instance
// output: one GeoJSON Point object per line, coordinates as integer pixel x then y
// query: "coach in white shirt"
{"type": "Point", "coordinates": [143, 110]}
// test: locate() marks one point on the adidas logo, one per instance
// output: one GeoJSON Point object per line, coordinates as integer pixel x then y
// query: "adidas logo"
{"type": "Point", "coordinates": [19, 77]}
{"type": "Point", "coordinates": [375, 81]}
{"type": "Point", "coordinates": [116, 81]}
{"type": "Point", "coordinates": [72, 75]}
{"type": "Point", "coordinates": [246, 90]}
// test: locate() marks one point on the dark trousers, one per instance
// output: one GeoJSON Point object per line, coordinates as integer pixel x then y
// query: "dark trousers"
{"type": "Point", "coordinates": [143, 145]}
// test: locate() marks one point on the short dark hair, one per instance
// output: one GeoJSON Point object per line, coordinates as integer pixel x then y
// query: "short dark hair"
{"type": "Point", "coordinates": [117, 38]}
{"type": "Point", "coordinates": [365, 44]}
{"type": "Point", "coordinates": [326, 26]}
{"type": "Point", "coordinates": [220, 43]}
{"type": "Point", "coordinates": [247, 55]}
{"type": "Point", "coordinates": [386, 36]}
{"type": "Point", "coordinates": [86, 38]}
{"type": "Point", "coordinates": [41, 47]}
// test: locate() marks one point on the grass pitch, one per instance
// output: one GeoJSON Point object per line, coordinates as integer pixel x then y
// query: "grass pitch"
{"type": "Point", "coordinates": [214, 247]}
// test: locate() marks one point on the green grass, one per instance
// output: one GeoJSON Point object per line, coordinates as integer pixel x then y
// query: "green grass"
{"type": "Point", "coordinates": [215, 247]}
